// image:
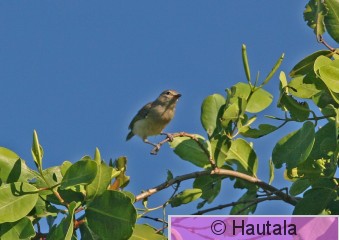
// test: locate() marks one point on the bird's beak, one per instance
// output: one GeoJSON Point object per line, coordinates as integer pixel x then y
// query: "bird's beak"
{"type": "Point", "coordinates": [177, 96]}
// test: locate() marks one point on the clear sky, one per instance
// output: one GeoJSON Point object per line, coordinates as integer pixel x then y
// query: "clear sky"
{"type": "Point", "coordinates": [78, 71]}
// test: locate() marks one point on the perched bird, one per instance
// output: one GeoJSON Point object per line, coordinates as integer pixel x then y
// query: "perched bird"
{"type": "Point", "coordinates": [154, 116]}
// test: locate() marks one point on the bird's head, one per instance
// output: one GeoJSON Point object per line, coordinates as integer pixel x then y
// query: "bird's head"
{"type": "Point", "coordinates": [168, 97]}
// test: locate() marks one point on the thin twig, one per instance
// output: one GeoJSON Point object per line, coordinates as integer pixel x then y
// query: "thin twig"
{"type": "Point", "coordinates": [223, 172]}
{"type": "Point", "coordinates": [321, 40]}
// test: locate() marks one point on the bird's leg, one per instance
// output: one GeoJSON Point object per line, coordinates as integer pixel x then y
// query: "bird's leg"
{"type": "Point", "coordinates": [156, 146]}
{"type": "Point", "coordinates": [168, 135]}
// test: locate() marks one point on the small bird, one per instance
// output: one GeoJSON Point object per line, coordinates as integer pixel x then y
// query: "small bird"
{"type": "Point", "coordinates": [154, 116]}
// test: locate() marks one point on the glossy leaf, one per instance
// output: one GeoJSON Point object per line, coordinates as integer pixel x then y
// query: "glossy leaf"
{"type": "Point", "coordinates": [81, 172]}
{"type": "Point", "coordinates": [332, 19]}
{"type": "Point", "coordinates": [304, 86]}
{"type": "Point", "coordinates": [314, 201]}
{"type": "Point", "coordinates": [186, 196]}
{"type": "Point", "coordinates": [320, 62]}
{"type": "Point", "coordinates": [189, 150]}
{"type": "Point", "coordinates": [111, 215]}
{"type": "Point", "coordinates": [17, 200]}
{"type": "Point", "coordinates": [51, 175]}
{"type": "Point", "coordinates": [306, 65]}
{"type": "Point", "coordinates": [299, 111]}
{"type": "Point", "coordinates": [257, 102]}
{"type": "Point", "coordinates": [14, 169]}
{"type": "Point", "coordinates": [146, 232]}
{"type": "Point", "coordinates": [330, 75]}
{"type": "Point", "coordinates": [295, 147]}
{"type": "Point", "coordinates": [325, 142]}
{"type": "Point", "coordinates": [21, 229]}
{"type": "Point", "coordinates": [210, 186]}
{"type": "Point", "coordinates": [220, 146]}
{"type": "Point", "coordinates": [87, 233]}
{"type": "Point", "coordinates": [262, 130]}
{"type": "Point", "coordinates": [100, 182]}
{"type": "Point", "coordinates": [64, 167]}
{"type": "Point", "coordinates": [211, 111]}
{"type": "Point", "coordinates": [299, 186]}
{"type": "Point", "coordinates": [314, 16]}
{"type": "Point", "coordinates": [242, 154]}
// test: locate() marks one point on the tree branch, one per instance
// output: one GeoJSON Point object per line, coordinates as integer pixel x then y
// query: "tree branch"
{"type": "Point", "coordinates": [223, 172]}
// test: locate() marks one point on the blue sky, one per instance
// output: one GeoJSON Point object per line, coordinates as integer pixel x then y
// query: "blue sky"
{"type": "Point", "coordinates": [78, 71]}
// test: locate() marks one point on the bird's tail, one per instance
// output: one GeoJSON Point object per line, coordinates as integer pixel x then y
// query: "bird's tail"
{"type": "Point", "coordinates": [129, 136]}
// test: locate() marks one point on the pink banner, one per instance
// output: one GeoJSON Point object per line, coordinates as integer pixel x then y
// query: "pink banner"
{"type": "Point", "coordinates": [253, 227]}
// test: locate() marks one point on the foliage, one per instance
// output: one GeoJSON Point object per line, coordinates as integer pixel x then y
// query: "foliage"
{"type": "Point", "coordinates": [88, 195]}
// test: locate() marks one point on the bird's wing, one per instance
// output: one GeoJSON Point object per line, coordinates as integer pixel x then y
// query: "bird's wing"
{"type": "Point", "coordinates": [141, 114]}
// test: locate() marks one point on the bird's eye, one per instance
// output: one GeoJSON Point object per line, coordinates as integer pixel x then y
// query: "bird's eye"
{"type": "Point", "coordinates": [168, 93]}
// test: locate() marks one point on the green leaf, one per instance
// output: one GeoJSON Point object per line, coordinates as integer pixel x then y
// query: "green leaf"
{"type": "Point", "coordinates": [263, 130]}
{"type": "Point", "coordinates": [271, 171]}
{"type": "Point", "coordinates": [314, 16]}
{"type": "Point", "coordinates": [21, 229]}
{"type": "Point", "coordinates": [232, 112]}
{"type": "Point", "coordinates": [304, 86]}
{"type": "Point", "coordinates": [64, 167]}
{"type": "Point", "coordinates": [100, 182]}
{"type": "Point", "coordinates": [306, 65]}
{"type": "Point", "coordinates": [97, 156]}
{"type": "Point", "coordinates": [325, 142]}
{"type": "Point", "coordinates": [82, 172]}
{"type": "Point", "coordinates": [332, 19]}
{"type": "Point", "coordinates": [188, 149]}
{"type": "Point", "coordinates": [330, 75]}
{"type": "Point", "coordinates": [169, 175]}
{"type": "Point", "coordinates": [209, 185]}
{"type": "Point", "coordinates": [242, 154]}
{"type": "Point", "coordinates": [299, 186]}
{"type": "Point", "coordinates": [299, 111]}
{"type": "Point", "coordinates": [245, 63]}
{"type": "Point", "coordinates": [258, 101]}
{"type": "Point", "coordinates": [67, 195]}
{"type": "Point", "coordinates": [211, 111]}
{"type": "Point", "coordinates": [66, 227]}
{"type": "Point", "coordinates": [320, 62]}
{"type": "Point", "coordinates": [186, 196]}
{"type": "Point", "coordinates": [245, 208]}
{"type": "Point", "coordinates": [87, 233]}
{"type": "Point", "coordinates": [220, 146]}
{"type": "Point", "coordinates": [111, 215]}
{"type": "Point", "coordinates": [14, 169]}
{"type": "Point", "coordinates": [314, 201]}
{"type": "Point", "coordinates": [121, 165]}
{"type": "Point", "coordinates": [295, 147]}
{"type": "Point", "coordinates": [146, 232]}
{"type": "Point", "coordinates": [17, 200]}
{"type": "Point", "coordinates": [37, 151]}
{"type": "Point", "coordinates": [52, 176]}
{"type": "Point", "coordinates": [273, 71]}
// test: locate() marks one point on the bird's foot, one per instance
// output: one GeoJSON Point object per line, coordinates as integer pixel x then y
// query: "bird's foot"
{"type": "Point", "coordinates": [168, 135]}
{"type": "Point", "coordinates": [155, 149]}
